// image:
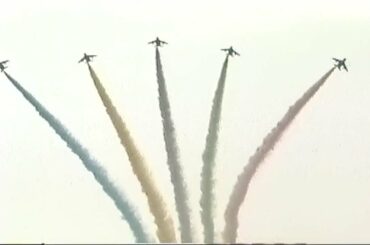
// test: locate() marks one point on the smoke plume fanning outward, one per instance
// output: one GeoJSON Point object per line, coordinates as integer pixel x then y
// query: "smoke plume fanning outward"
{"type": "Point", "coordinates": [209, 154]}
{"type": "Point", "coordinates": [91, 165]}
{"type": "Point", "coordinates": [241, 187]}
{"type": "Point", "coordinates": [177, 178]}
{"type": "Point", "coordinates": [166, 231]}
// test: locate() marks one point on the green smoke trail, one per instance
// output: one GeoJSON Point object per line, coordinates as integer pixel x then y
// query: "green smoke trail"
{"type": "Point", "coordinates": [209, 155]}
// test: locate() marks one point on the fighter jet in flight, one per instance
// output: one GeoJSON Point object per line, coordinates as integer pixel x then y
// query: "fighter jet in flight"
{"type": "Point", "coordinates": [157, 42]}
{"type": "Point", "coordinates": [2, 65]}
{"type": "Point", "coordinates": [230, 51]}
{"type": "Point", "coordinates": [87, 58]}
{"type": "Point", "coordinates": [340, 63]}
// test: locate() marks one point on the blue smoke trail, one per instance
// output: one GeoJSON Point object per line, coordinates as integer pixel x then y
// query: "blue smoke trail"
{"type": "Point", "coordinates": [92, 165]}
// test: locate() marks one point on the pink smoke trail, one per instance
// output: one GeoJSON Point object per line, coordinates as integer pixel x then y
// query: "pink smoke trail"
{"type": "Point", "coordinates": [241, 187]}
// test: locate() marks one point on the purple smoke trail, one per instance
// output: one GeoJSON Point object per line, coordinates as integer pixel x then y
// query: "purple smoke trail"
{"type": "Point", "coordinates": [177, 178]}
{"type": "Point", "coordinates": [241, 187]}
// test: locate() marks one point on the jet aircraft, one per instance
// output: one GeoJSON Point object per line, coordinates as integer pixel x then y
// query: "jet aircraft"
{"type": "Point", "coordinates": [340, 63]}
{"type": "Point", "coordinates": [87, 58]}
{"type": "Point", "coordinates": [157, 42]}
{"type": "Point", "coordinates": [2, 65]}
{"type": "Point", "coordinates": [230, 51]}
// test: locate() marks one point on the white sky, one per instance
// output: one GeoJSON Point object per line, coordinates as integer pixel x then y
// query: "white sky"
{"type": "Point", "coordinates": [312, 188]}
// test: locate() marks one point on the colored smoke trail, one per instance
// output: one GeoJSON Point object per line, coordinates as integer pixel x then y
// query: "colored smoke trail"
{"type": "Point", "coordinates": [166, 231]}
{"type": "Point", "coordinates": [209, 155]}
{"type": "Point", "coordinates": [91, 165]}
{"type": "Point", "coordinates": [241, 187]}
{"type": "Point", "coordinates": [169, 134]}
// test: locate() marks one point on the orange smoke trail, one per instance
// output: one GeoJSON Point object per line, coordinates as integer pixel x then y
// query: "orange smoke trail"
{"type": "Point", "coordinates": [241, 187]}
{"type": "Point", "coordinates": [166, 231]}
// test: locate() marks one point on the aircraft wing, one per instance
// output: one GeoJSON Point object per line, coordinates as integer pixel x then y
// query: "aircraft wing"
{"type": "Point", "coordinates": [82, 59]}
{"type": "Point", "coordinates": [237, 53]}
{"type": "Point", "coordinates": [5, 61]}
{"type": "Point", "coordinates": [164, 42]}
{"type": "Point", "coordinates": [336, 60]}
{"type": "Point", "coordinates": [345, 67]}
{"type": "Point", "coordinates": [225, 49]}
{"type": "Point", "coordinates": [92, 55]}
{"type": "Point", "coordinates": [151, 42]}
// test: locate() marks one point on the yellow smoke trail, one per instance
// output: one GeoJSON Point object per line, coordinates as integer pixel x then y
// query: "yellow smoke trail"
{"type": "Point", "coordinates": [241, 187]}
{"type": "Point", "coordinates": [166, 231]}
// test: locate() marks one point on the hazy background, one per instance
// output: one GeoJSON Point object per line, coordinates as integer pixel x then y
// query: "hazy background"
{"type": "Point", "coordinates": [312, 188]}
